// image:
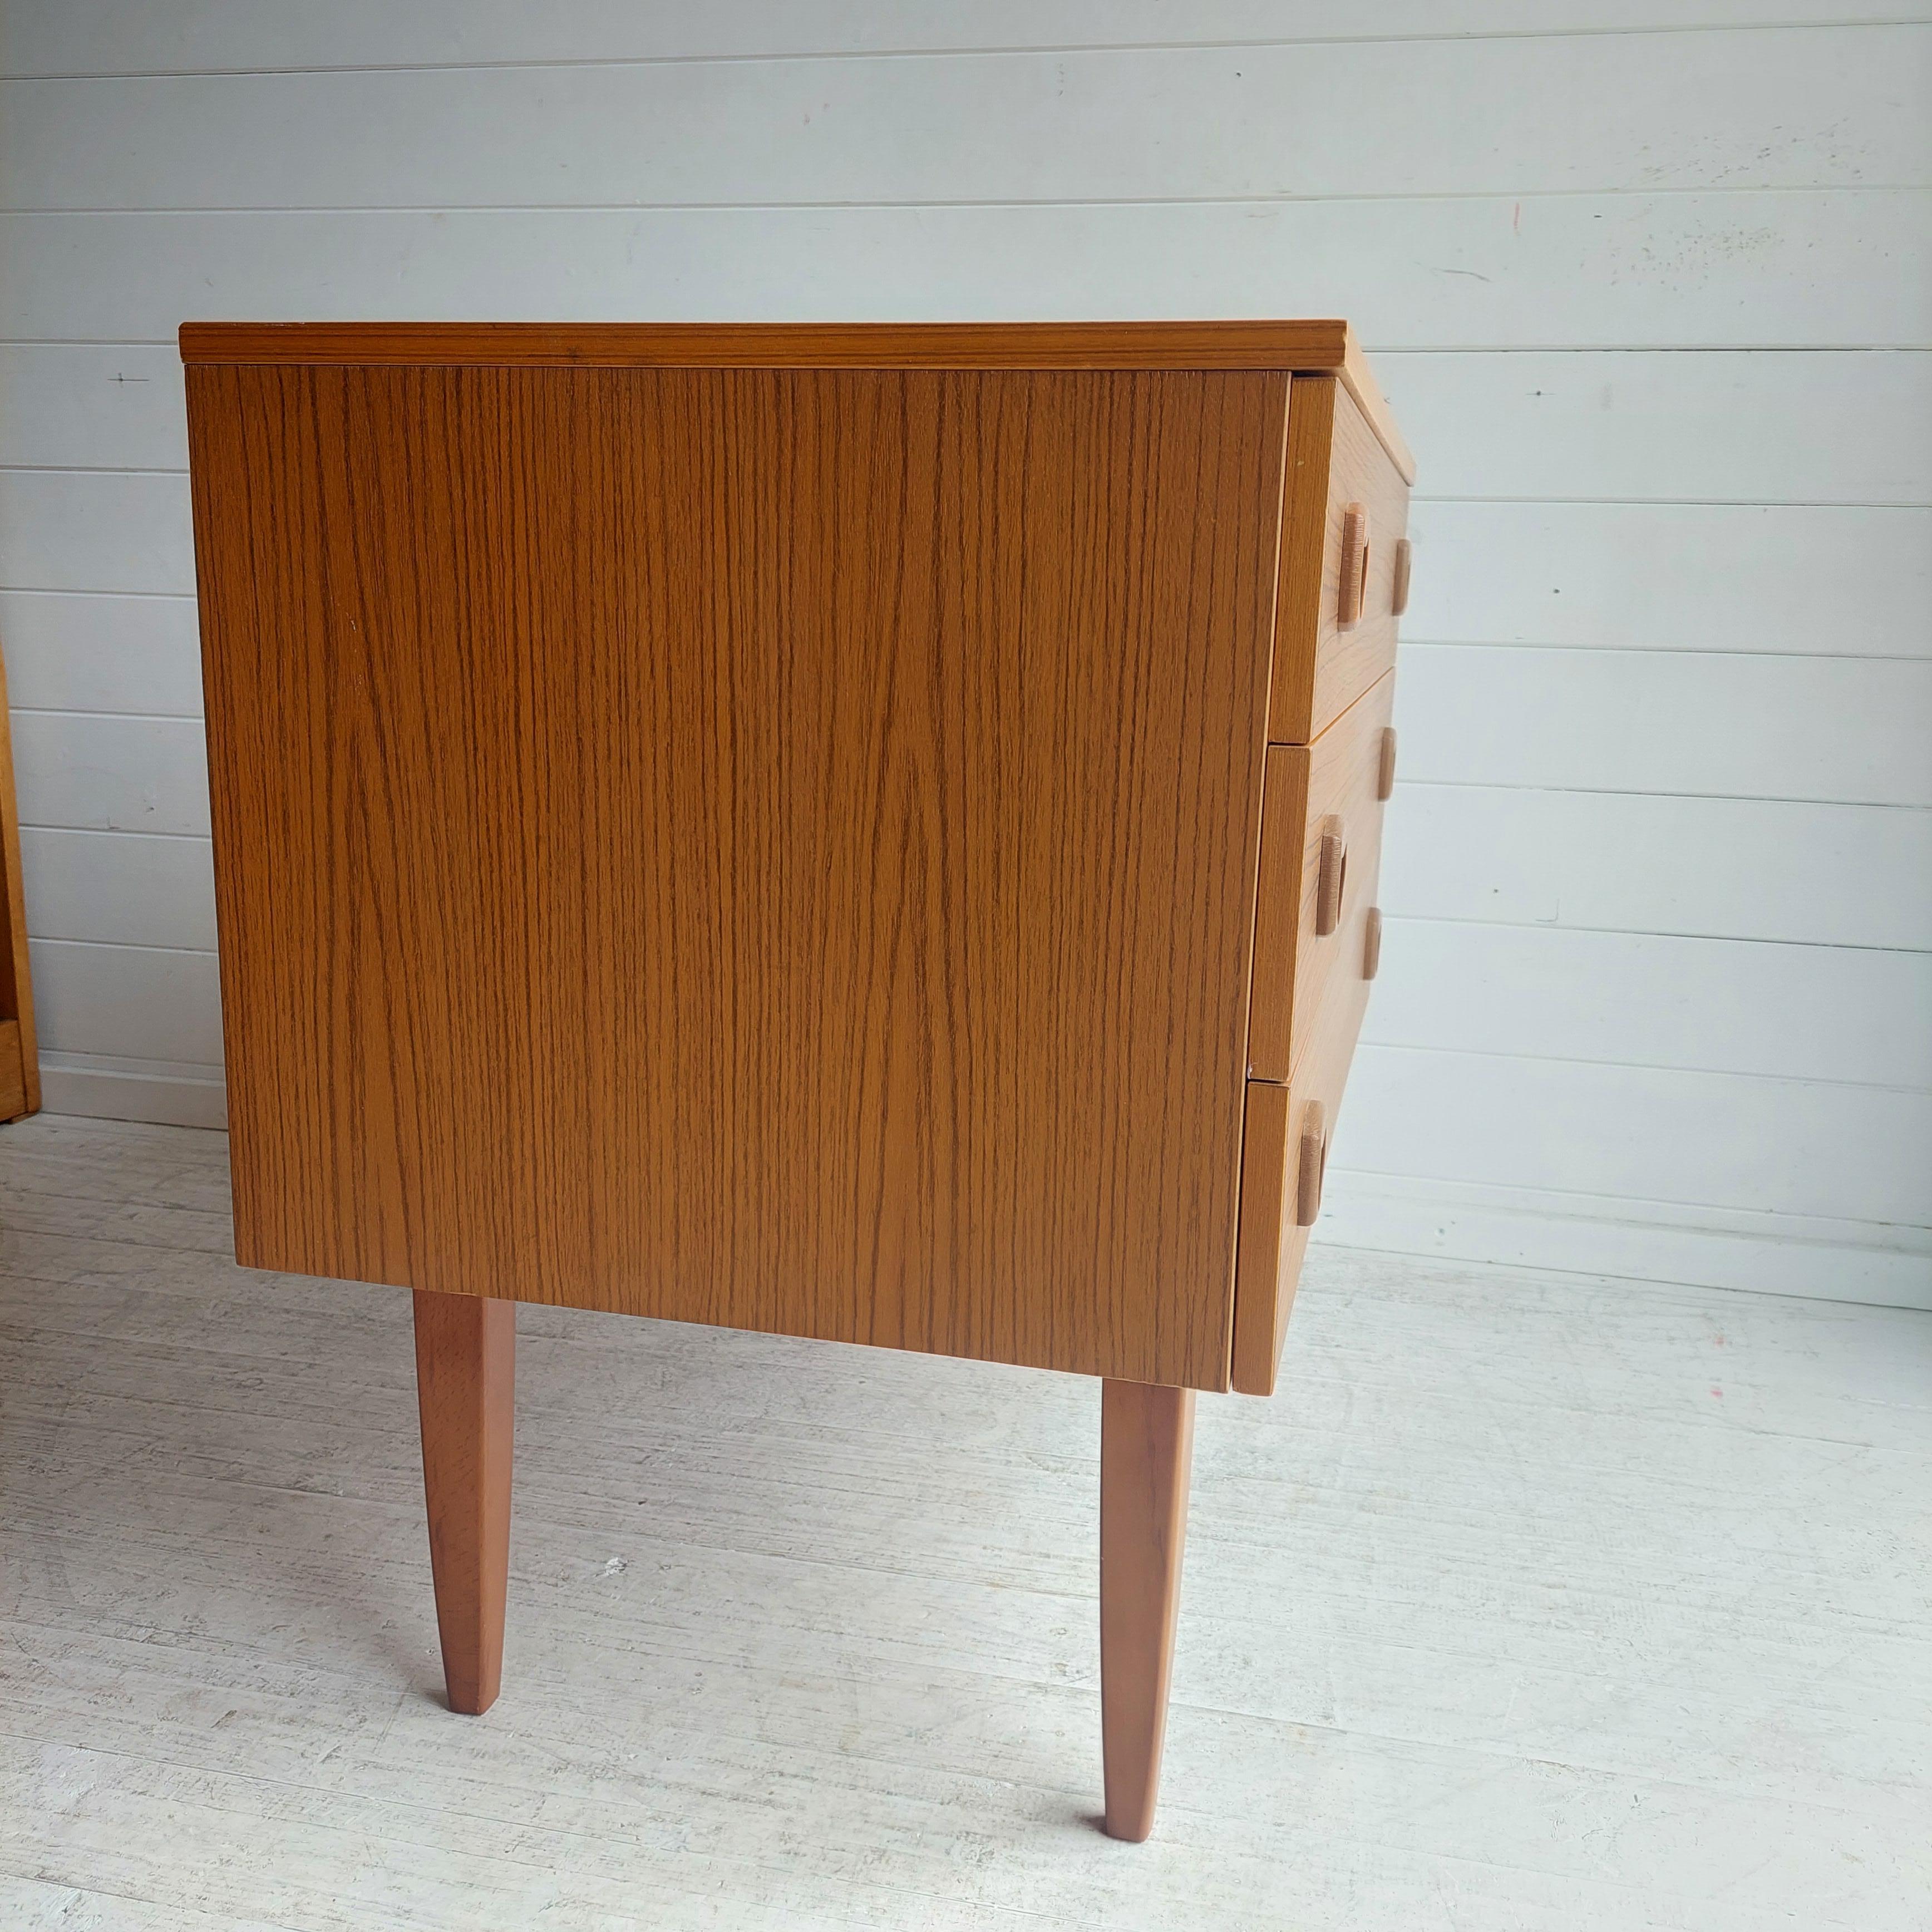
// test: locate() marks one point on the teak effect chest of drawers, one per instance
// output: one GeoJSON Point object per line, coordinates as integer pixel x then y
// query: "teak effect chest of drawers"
{"type": "Point", "coordinates": [860, 832]}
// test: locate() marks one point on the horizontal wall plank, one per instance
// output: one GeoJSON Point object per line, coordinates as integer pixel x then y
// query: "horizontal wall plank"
{"type": "Point", "coordinates": [105, 1086]}
{"type": "Point", "coordinates": [1772, 268]}
{"type": "Point", "coordinates": [97, 36]}
{"type": "Point", "coordinates": [118, 887]}
{"type": "Point", "coordinates": [1594, 114]}
{"type": "Point", "coordinates": [1800, 1012]}
{"type": "Point", "coordinates": [1722, 868]}
{"type": "Point", "coordinates": [1851, 730]}
{"type": "Point", "coordinates": [1701, 577]}
{"type": "Point", "coordinates": [126, 1000]}
{"type": "Point", "coordinates": [1765, 1253]}
{"type": "Point", "coordinates": [94, 530]}
{"type": "Point", "coordinates": [1790, 1146]}
{"type": "Point", "coordinates": [1795, 427]}
{"type": "Point", "coordinates": [103, 773]}
{"type": "Point", "coordinates": [86, 406]}
{"type": "Point", "coordinates": [70, 651]}
{"type": "Point", "coordinates": [1715, 426]}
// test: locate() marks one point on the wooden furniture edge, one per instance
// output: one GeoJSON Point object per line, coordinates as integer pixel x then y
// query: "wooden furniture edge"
{"type": "Point", "coordinates": [1360, 384]}
{"type": "Point", "coordinates": [1266, 1125]}
{"type": "Point", "coordinates": [1301, 347]}
{"type": "Point", "coordinates": [16, 973]}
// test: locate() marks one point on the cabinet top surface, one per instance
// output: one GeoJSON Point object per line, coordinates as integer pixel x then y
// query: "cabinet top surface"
{"type": "Point", "coordinates": [1303, 347]}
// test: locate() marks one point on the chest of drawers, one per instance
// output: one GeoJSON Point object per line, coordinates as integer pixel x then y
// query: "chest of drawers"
{"type": "Point", "coordinates": [867, 832]}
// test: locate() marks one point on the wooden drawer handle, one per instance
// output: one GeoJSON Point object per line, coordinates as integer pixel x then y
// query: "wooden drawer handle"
{"type": "Point", "coordinates": [1371, 943]}
{"type": "Point", "coordinates": [1312, 1166]}
{"type": "Point", "coordinates": [1331, 877]}
{"type": "Point", "coordinates": [1355, 566]}
{"type": "Point", "coordinates": [1385, 769]}
{"type": "Point", "coordinates": [1399, 596]}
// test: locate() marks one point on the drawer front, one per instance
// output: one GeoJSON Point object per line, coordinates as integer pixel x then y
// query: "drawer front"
{"type": "Point", "coordinates": [1344, 568]}
{"type": "Point", "coordinates": [1320, 859]}
{"type": "Point", "coordinates": [1287, 1130]}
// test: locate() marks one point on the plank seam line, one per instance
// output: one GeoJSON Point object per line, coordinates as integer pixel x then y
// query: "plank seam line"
{"type": "Point", "coordinates": [1804, 1080]}
{"type": "Point", "coordinates": [861, 204]}
{"type": "Point", "coordinates": [1041, 51]}
{"type": "Point", "coordinates": [1850, 1222]}
{"type": "Point", "coordinates": [1920, 1090]}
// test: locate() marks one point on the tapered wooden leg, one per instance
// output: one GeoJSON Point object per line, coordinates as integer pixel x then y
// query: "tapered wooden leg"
{"type": "Point", "coordinates": [466, 1387]}
{"type": "Point", "coordinates": [1147, 1453]}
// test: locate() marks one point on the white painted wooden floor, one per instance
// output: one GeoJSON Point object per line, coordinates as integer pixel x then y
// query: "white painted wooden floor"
{"type": "Point", "coordinates": [1529, 1602]}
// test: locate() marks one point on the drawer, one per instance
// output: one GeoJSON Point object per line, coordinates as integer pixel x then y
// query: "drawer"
{"type": "Point", "coordinates": [1286, 1134]}
{"type": "Point", "coordinates": [1343, 575]}
{"type": "Point", "coordinates": [1320, 858]}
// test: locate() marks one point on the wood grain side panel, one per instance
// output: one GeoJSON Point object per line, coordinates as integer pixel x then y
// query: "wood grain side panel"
{"type": "Point", "coordinates": [1334, 459]}
{"type": "Point", "coordinates": [20, 1089]}
{"type": "Point", "coordinates": [13, 1073]}
{"type": "Point", "coordinates": [1335, 780]}
{"type": "Point", "coordinates": [771, 848]}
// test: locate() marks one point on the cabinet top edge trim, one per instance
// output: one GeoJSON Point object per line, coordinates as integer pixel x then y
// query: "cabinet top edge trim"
{"type": "Point", "coordinates": [1308, 347]}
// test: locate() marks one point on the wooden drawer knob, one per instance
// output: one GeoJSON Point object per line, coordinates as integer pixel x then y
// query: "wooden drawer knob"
{"type": "Point", "coordinates": [1371, 943]}
{"type": "Point", "coordinates": [1399, 596]}
{"type": "Point", "coordinates": [1354, 565]}
{"type": "Point", "coordinates": [1331, 877]}
{"type": "Point", "coordinates": [1385, 769]}
{"type": "Point", "coordinates": [1313, 1165]}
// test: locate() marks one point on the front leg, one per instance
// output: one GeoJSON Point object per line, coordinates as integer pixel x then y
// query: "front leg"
{"type": "Point", "coordinates": [1147, 1453]}
{"type": "Point", "coordinates": [465, 1387]}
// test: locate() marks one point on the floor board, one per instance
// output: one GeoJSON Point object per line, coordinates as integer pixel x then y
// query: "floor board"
{"type": "Point", "coordinates": [1530, 1601]}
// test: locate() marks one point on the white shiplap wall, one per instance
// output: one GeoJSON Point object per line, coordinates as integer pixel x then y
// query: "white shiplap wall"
{"type": "Point", "coordinates": [1648, 286]}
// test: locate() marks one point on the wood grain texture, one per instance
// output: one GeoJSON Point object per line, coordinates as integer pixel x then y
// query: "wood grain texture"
{"type": "Point", "coordinates": [19, 1060]}
{"type": "Point", "coordinates": [13, 1073]}
{"type": "Point", "coordinates": [465, 1397]}
{"type": "Point", "coordinates": [746, 846]}
{"type": "Point", "coordinates": [1147, 1459]}
{"type": "Point", "coordinates": [1333, 461]}
{"type": "Point", "coordinates": [1285, 345]}
{"type": "Point", "coordinates": [1334, 781]}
